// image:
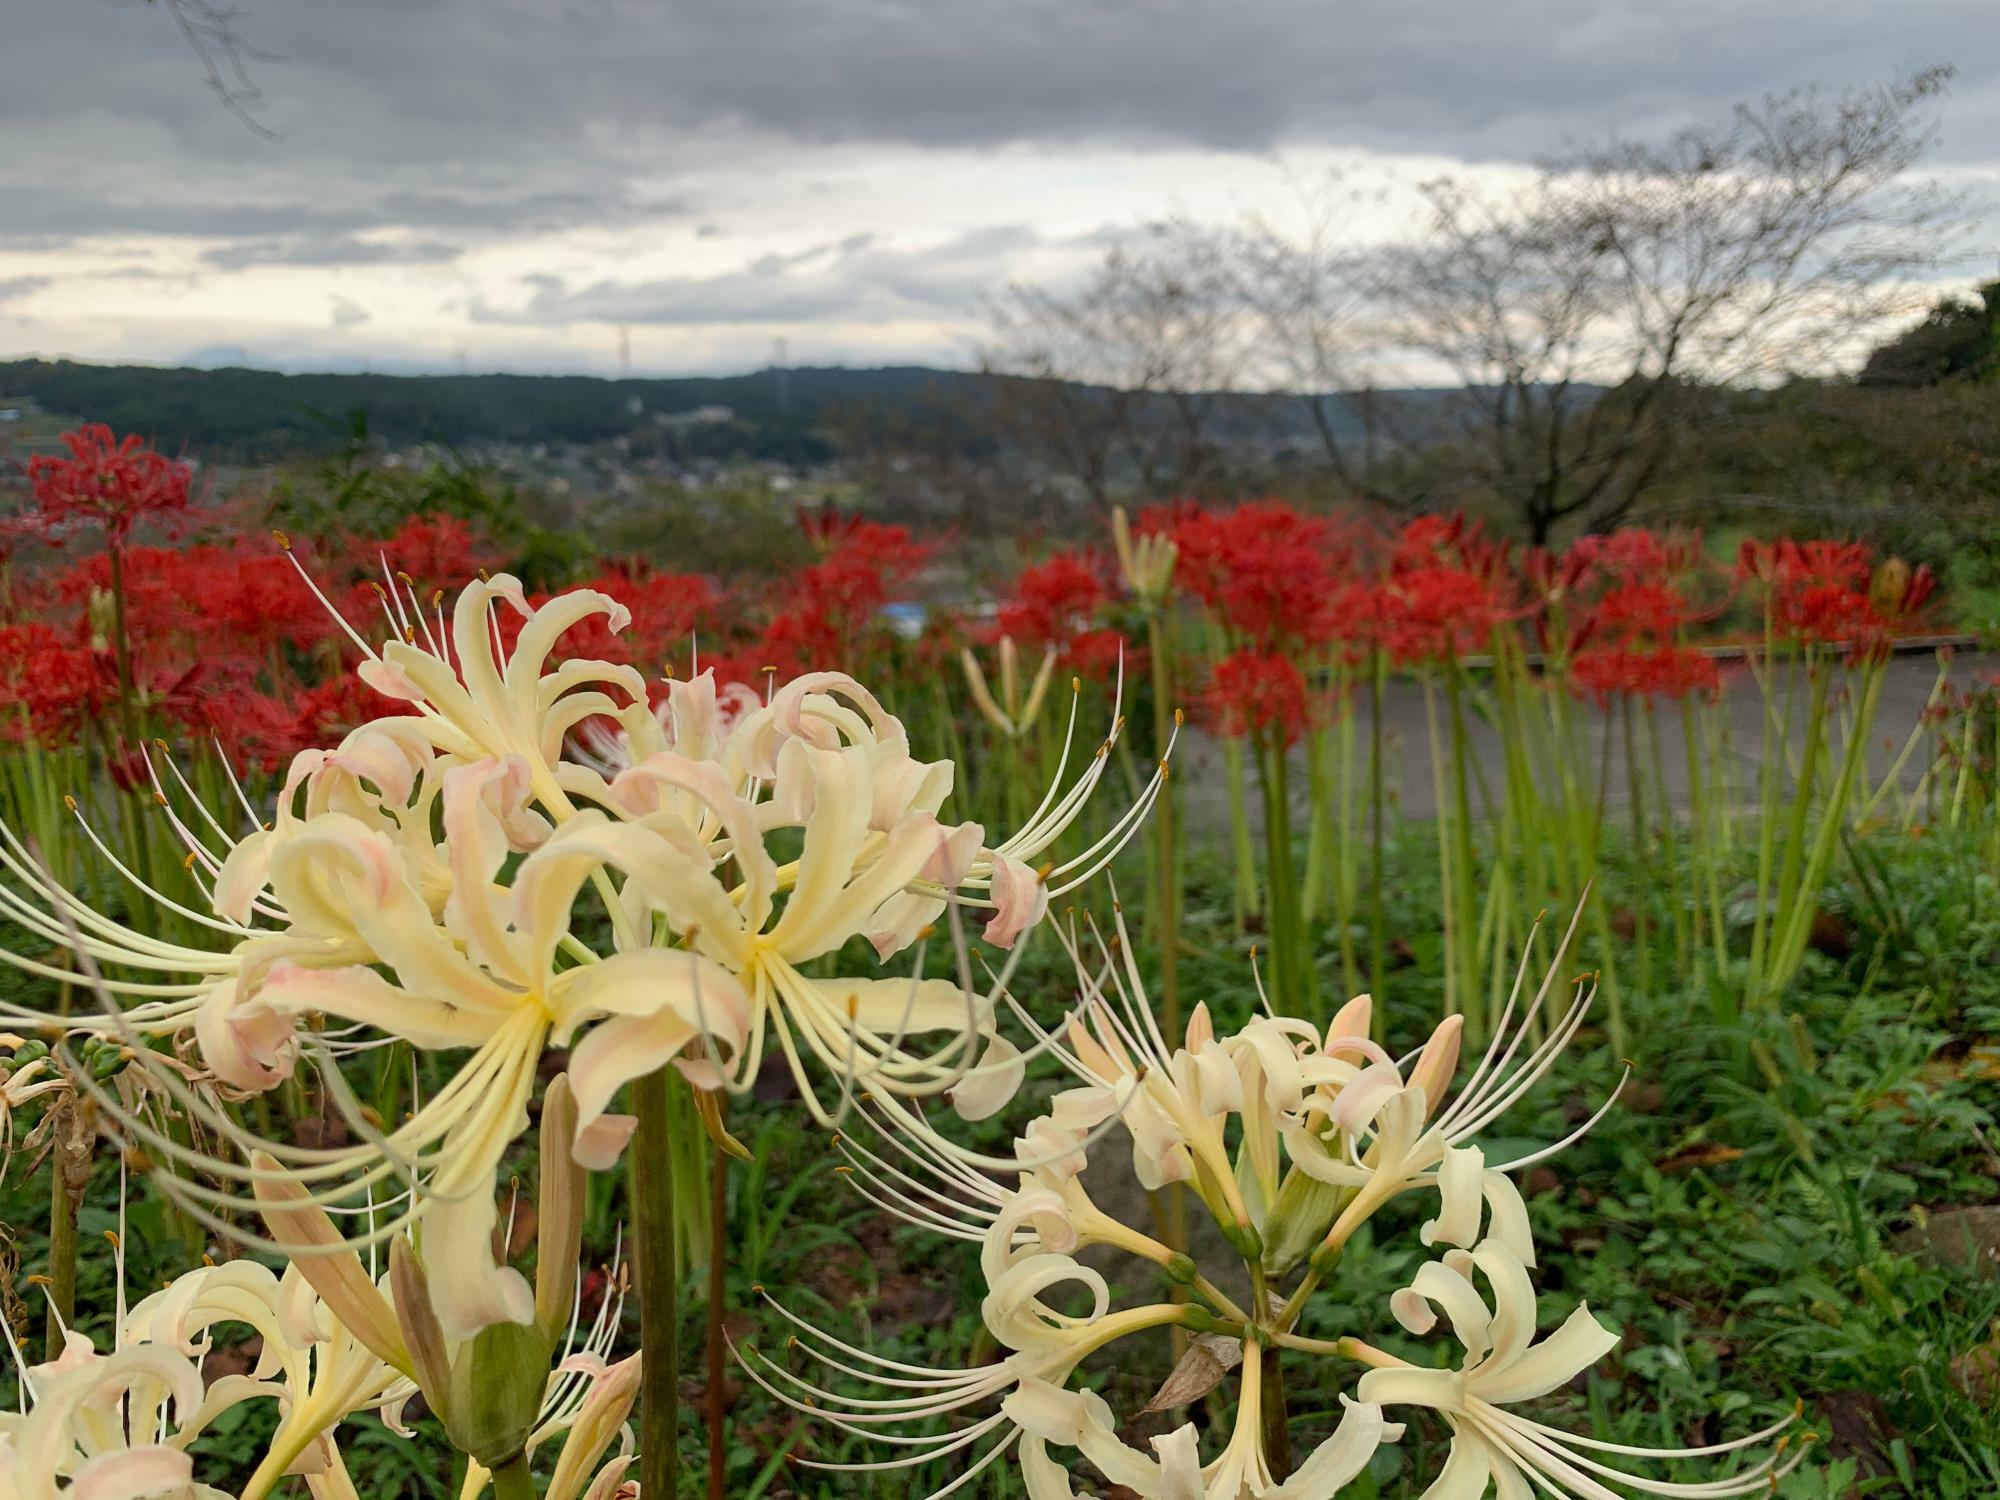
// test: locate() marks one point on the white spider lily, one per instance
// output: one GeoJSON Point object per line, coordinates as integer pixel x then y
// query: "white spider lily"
{"type": "Point", "coordinates": [1241, 1471]}
{"type": "Point", "coordinates": [1382, 1135]}
{"type": "Point", "coordinates": [1503, 1365]}
{"type": "Point", "coordinates": [103, 1423]}
{"type": "Point", "coordinates": [319, 1372]}
{"type": "Point", "coordinates": [922, 1394]}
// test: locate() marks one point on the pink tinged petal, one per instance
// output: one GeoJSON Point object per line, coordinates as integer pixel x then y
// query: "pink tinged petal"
{"type": "Point", "coordinates": [1355, 1018]}
{"type": "Point", "coordinates": [1438, 1063]}
{"type": "Point", "coordinates": [243, 876]}
{"type": "Point", "coordinates": [1558, 1359]}
{"type": "Point", "coordinates": [1459, 1199]}
{"type": "Point", "coordinates": [957, 849]}
{"type": "Point", "coordinates": [598, 1145]}
{"type": "Point", "coordinates": [898, 921]}
{"type": "Point", "coordinates": [247, 1045]}
{"type": "Point", "coordinates": [153, 1472]}
{"type": "Point", "coordinates": [469, 1290]}
{"type": "Point", "coordinates": [390, 680]}
{"type": "Point", "coordinates": [990, 1086]}
{"type": "Point", "coordinates": [1020, 900]}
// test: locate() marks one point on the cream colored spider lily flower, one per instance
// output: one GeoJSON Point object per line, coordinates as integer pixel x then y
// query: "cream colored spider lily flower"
{"type": "Point", "coordinates": [1175, 1100]}
{"type": "Point", "coordinates": [854, 1029]}
{"type": "Point", "coordinates": [376, 780]}
{"type": "Point", "coordinates": [1387, 1136]}
{"type": "Point", "coordinates": [921, 1395]}
{"type": "Point", "coordinates": [319, 1372]}
{"type": "Point", "coordinates": [493, 976]}
{"type": "Point", "coordinates": [1082, 1420]}
{"type": "Point", "coordinates": [476, 701]}
{"type": "Point", "coordinates": [1503, 1366]}
{"type": "Point", "coordinates": [98, 1427]}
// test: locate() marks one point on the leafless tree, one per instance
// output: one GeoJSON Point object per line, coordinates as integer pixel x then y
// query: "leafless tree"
{"type": "Point", "coordinates": [1310, 287]}
{"type": "Point", "coordinates": [209, 29]}
{"type": "Point", "coordinates": [1121, 380]}
{"type": "Point", "coordinates": [1585, 318]}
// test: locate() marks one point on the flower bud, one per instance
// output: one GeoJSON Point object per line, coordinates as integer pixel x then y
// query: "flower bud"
{"type": "Point", "coordinates": [497, 1383]}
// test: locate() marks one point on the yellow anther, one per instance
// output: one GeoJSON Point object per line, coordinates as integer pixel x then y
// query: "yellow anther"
{"type": "Point", "coordinates": [380, 592]}
{"type": "Point", "coordinates": [1180, 718]}
{"type": "Point", "coordinates": [406, 578]}
{"type": "Point", "coordinates": [161, 798]}
{"type": "Point", "coordinates": [188, 863]}
{"type": "Point", "coordinates": [69, 802]}
{"type": "Point", "coordinates": [160, 745]}
{"type": "Point", "coordinates": [1076, 684]}
{"type": "Point", "coordinates": [282, 540]}
{"type": "Point", "coordinates": [112, 1236]}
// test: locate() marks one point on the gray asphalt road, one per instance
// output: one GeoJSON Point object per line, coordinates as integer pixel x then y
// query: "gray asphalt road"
{"type": "Point", "coordinates": [1407, 758]}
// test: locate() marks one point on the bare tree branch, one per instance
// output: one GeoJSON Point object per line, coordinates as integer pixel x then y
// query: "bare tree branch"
{"type": "Point", "coordinates": [209, 29]}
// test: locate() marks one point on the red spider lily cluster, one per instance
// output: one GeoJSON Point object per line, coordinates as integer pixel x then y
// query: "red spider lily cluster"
{"type": "Point", "coordinates": [1633, 614]}
{"type": "Point", "coordinates": [104, 483]}
{"type": "Point", "coordinates": [225, 642]}
{"type": "Point", "coordinates": [1832, 593]}
{"type": "Point", "coordinates": [1059, 605]}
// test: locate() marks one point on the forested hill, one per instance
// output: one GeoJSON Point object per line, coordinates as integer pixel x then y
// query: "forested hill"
{"type": "Point", "coordinates": [792, 414]}
{"type": "Point", "coordinates": [262, 414]}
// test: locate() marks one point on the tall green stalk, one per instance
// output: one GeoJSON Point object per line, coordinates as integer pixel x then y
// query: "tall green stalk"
{"type": "Point", "coordinates": [653, 1214]}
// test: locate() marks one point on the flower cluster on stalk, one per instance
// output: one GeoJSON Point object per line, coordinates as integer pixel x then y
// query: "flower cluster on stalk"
{"type": "Point", "coordinates": [1291, 1138]}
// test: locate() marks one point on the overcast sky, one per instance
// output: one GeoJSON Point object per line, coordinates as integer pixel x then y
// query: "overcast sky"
{"type": "Point", "coordinates": [506, 184]}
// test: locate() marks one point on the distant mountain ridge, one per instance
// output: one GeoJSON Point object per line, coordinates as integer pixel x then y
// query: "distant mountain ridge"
{"type": "Point", "coordinates": [261, 415]}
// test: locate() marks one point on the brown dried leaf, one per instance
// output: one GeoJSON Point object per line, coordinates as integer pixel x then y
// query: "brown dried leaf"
{"type": "Point", "coordinates": [1210, 1356]}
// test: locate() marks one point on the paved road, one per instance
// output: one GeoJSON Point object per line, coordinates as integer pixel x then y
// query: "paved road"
{"type": "Point", "coordinates": [1407, 760]}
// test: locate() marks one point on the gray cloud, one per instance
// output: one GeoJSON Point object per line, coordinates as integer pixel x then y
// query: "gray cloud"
{"type": "Point", "coordinates": [850, 279]}
{"type": "Point", "coordinates": [329, 250]}
{"type": "Point", "coordinates": [13, 288]}
{"type": "Point", "coordinates": [348, 313]}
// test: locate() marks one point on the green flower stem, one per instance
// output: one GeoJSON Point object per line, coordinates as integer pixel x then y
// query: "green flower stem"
{"type": "Point", "coordinates": [512, 1481]}
{"type": "Point", "coordinates": [659, 1289]}
{"type": "Point", "coordinates": [1378, 931]}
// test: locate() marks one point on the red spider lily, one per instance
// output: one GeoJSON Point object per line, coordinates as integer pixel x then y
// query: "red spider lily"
{"type": "Point", "coordinates": [435, 551]}
{"type": "Point", "coordinates": [1824, 593]}
{"type": "Point", "coordinates": [51, 688]}
{"type": "Point", "coordinates": [1057, 603]}
{"type": "Point", "coordinates": [826, 611]}
{"type": "Point", "coordinates": [1257, 693]}
{"type": "Point", "coordinates": [890, 550]}
{"type": "Point", "coordinates": [106, 483]}
{"type": "Point", "coordinates": [1273, 575]}
{"type": "Point", "coordinates": [241, 599]}
{"type": "Point", "coordinates": [1449, 587]}
{"type": "Point", "coordinates": [1671, 672]}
